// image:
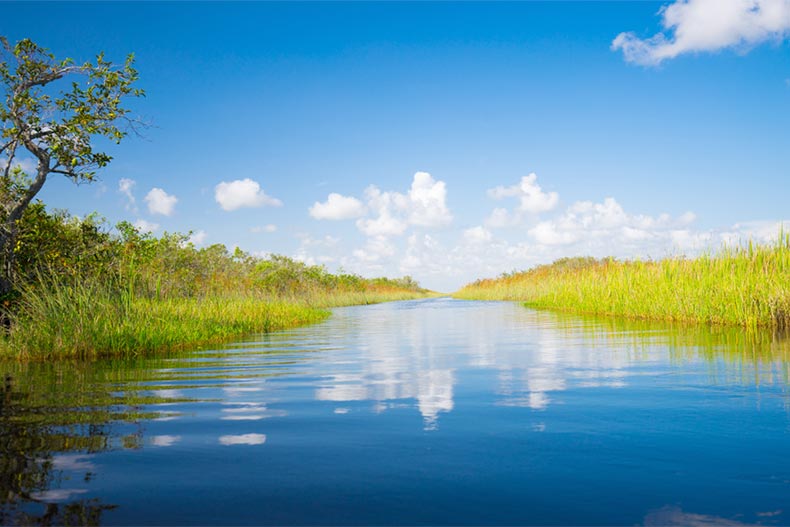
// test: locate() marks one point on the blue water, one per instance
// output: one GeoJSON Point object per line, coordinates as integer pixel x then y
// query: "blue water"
{"type": "Point", "coordinates": [411, 413]}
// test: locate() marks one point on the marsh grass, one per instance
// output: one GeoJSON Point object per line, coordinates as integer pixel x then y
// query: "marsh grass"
{"type": "Point", "coordinates": [83, 291]}
{"type": "Point", "coordinates": [92, 319]}
{"type": "Point", "coordinates": [745, 286]}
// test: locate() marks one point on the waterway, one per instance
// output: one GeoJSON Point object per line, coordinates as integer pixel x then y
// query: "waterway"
{"type": "Point", "coordinates": [426, 412]}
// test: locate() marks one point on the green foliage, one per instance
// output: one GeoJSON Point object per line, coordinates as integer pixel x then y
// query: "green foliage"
{"type": "Point", "coordinates": [87, 291]}
{"type": "Point", "coordinates": [742, 286]}
{"type": "Point", "coordinates": [61, 244]}
{"type": "Point", "coordinates": [54, 122]}
{"type": "Point", "coordinates": [58, 127]}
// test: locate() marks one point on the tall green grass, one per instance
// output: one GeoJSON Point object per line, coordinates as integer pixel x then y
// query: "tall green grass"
{"type": "Point", "coordinates": [83, 291]}
{"type": "Point", "coordinates": [742, 286]}
{"type": "Point", "coordinates": [91, 319]}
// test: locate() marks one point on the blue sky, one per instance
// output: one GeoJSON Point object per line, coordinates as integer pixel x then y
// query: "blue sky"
{"type": "Point", "coordinates": [428, 120]}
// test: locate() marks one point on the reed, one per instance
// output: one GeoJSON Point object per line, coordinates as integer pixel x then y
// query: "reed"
{"type": "Point", "coordinates": [83, 291]}
{"type": "Point", "coordinates": [746, 286]}
{"type": "Point", "coordinates": [91, 319]}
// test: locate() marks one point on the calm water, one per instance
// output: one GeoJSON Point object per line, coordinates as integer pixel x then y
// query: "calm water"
{"type": "Point", "coordinates": [427, 412]}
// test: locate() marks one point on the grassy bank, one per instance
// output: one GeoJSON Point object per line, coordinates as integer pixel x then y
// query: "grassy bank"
{"type": "Point", "coordinates": [743, 286]}
{"type": "Point", "coordinates": [91, 320]}
{"type": "Point", "coordinates": [86, 291]}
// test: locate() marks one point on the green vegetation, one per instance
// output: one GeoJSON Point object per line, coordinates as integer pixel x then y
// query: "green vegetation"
{"type": "Point", "coordinates": [742, 286]}
{"type": "Point", "coordinates": [85, 292]}
{"type": "Point", "coordinates": [52, 111]}
{"type": "Point", "coordinates": [68, 288]}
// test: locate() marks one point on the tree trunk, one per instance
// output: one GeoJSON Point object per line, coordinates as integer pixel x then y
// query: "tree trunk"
{"type": "Point", "coordinates": [7, 273]}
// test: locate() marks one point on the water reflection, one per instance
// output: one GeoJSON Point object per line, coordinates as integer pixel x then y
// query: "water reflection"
{"type": "Point", "coordinates": [414, 354]}
{"type": "Point", "coordinates": [672, 516]}
{"type": "Point", "coordinates": [243, 439]}
{"type": "Point", "coordinates": [419, 362]}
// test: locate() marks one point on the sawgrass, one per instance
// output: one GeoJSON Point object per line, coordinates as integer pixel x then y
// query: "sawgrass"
{"type": "Point", "coordinates": [746, 286]}
{"type": "Point", "coordinates": [90, 319]}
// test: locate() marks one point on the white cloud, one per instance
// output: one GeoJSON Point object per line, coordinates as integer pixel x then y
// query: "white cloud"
{"type": "Point", "coordinates": [337, 207]}
{"type": "Point", "coordinates": [606, 225]}
{"type": "Point", "coordinates": [547, 233]}
{"type": "Point", "coordinates": [146, 226]}
{"type": "Point", "coordinates": [389, 207]}
{"type": "Point", "coordinates": [197, 238]}
{"type": "Point", "coordinates": [242, 193]}
{"type": "Point", "coordinates": [326, 241]}
{"type": "Point", "coordinates": [707, 25]}
{"type": "Point", "coordinates": [531, 197]}
{"type": "Point", "coordinates": [395, 243]}
{"type": "Point", "coordinates": [126, 187]}
{"type": "Point", "coordinates": [427, 199]}
{"type": "Point", "coordinates": [309, 243]}
{"type": "Point", "coordinates": [758, 231]}
{"type": "Point", "coordinates": [584, 228]}
{"type": "Point", "coordinates": [477, 234]}
{"type": "Point", "coordinates": [263, 228]}
{"type": "Point", "coordinates": [425, 254]}
{"type": "Point", "coordinates": [393, 213]}
{"type": "Point", "coordinates": [376, 249]}
{"type": "Point", "coordinates": [243, 439]}
{"type": "Point", "coordinates": [160, 202]}
{"type": "Point", "coordinates": [531, 200]}
{"type": "Point", "coordinates": [500, 218]}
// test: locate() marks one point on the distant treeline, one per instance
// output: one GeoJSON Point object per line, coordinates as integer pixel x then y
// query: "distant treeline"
{"type": "Point", "coordinates": [58, 246]}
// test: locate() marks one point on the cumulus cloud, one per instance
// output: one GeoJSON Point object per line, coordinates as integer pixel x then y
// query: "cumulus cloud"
{"type": "Point", "coordinates": [337, 207]}
{"type": "Point", "coordinates": [477, 234]}
{"type": "Point", "coordinates": [758, 231]}
{"type": "Point", "coordinates": [606, 222]}
{"type": "Point", "coordinates": [160, 202]}
{"type": "Point", "coordinates": [126, 187]}
{"type": "Point", "coordinates": [532, 200]}
{"type": "Point", "coordinates": [426, 254]}
{"type": "Point", "coordinates": [583, 228]}
{"type": "Point", "coordinates": [392, 213]}
{"type": "Point", "coordinates": [443, 260]}
{"type": "Point", "coordinates": [427, 200]}
{"type": "Point", "coordinates": [501, 217]}
{"type": "Point", "coordinates": [531, 197]}
{"type": "Point", "coordinates": [263, 228]}
{"type": "Point", "coordinates": [242, 193]}
{"type": "Point", "coordinates": [705, 26]}
{"type": "Point", "coordinates": [308, 244]}
{"type": "Point", "coordinates": [376, 249]}
{"type": "Point", "coordinates": [146, 226]}
{"type": "Point", "coordinates": [388, 208]}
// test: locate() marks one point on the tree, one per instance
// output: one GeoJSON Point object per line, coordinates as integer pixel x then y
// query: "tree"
{"type": "Point", "coordinates": [52, 125]}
